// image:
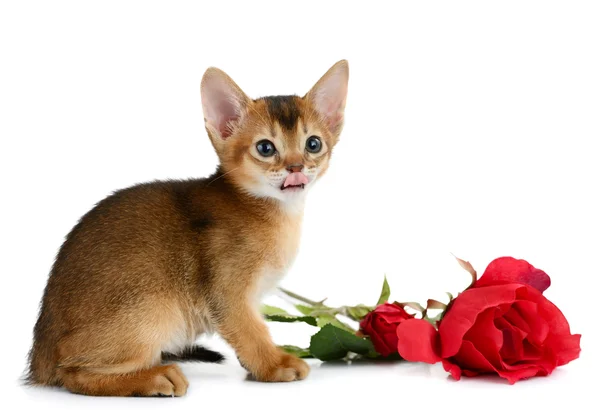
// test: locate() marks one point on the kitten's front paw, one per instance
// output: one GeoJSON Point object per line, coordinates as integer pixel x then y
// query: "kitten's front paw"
{"type": "Point", "coordinates": [288, 369]}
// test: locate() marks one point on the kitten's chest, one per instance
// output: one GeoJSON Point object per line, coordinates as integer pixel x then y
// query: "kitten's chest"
{"type": "Point", "coordinates": [280, 252]}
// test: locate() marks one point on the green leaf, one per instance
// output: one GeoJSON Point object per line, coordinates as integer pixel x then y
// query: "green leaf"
{"type": "Point", "coordinates": [272, 310]}
{"type": "Point", "coordinates": [291, 318]}
{"type": "Point", "coordinates": [358, 312]}
{"type": "Point", "coordinates": [275, 314]}
{"type": "Point", "coordinates": [327, 319]}
{"type": "Point", "coordinates": [305, 310]}
{"type": "Point", "coordinates": [302, 353]}
{"type": "Point", "coordinates": [333, 343]}
{"type": "Point", "coordinates": [385, 292]}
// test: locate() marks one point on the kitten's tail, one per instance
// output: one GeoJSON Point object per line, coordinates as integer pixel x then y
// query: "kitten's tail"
{"type": "Point", "coordinates": [194, 354]}
{"type": "Point", "coordinates": [41, 360]}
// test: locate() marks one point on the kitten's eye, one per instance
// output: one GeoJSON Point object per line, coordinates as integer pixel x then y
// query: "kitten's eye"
{"type": "Point", "coordinates": [313, 144]}
{"type": "Point", "coordinates": [265, 148]}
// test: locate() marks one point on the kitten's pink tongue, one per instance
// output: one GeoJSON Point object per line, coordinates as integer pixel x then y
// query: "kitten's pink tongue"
{"type": "Point", "coordinates": [295, 178]}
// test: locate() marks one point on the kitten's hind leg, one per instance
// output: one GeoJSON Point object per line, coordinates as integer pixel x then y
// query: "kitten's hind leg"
{"type": "Point", "coordinates": [165, 380]}
{"type": "Point", "coordinates": [194, 354]}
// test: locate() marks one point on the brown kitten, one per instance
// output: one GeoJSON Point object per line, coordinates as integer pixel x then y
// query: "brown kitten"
{"type": "Point", "coordinates": [153, 266]}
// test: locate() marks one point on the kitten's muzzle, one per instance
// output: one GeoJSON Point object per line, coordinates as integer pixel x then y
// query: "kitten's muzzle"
{"type": "Point", "coordinates": [295, 167]}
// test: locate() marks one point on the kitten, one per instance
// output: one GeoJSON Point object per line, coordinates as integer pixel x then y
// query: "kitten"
{"type": "Point", "coordinates": [153, 266]}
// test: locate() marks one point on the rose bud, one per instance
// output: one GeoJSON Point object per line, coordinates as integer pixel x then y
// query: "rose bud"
{"type": "Point", "coordinates": [380, 325]}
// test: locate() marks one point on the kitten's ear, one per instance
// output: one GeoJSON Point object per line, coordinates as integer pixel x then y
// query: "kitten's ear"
{"type": "Point", "coordinates": [328, 96]}
{"type": "Point", "coordinates": [224, 103]}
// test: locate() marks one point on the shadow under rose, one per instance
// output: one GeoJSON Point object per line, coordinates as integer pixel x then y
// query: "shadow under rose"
{"type": "Point", "coordinates": [403, 367]}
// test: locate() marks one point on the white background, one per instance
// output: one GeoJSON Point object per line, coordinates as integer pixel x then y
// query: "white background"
{"type": "Point", "coordinates": [472, 128]}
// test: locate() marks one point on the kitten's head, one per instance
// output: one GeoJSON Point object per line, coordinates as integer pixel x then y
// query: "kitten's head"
{"type": "Point", "coordinates": [274, 147]}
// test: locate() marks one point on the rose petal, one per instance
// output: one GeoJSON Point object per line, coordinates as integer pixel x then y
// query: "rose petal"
{"type": "Point", "coordinates": [530, 352]}
{"type": "Point", "coordinates": [391, 310]}
{"type": "Point", "coordinates": [503, 308]}
{"type": "Point", "coordinates": [522, 373]}
{"type": "Point", "coordinates": [381, 324]}
{"type": "Point", "coordinates": [565, 345]}
{"type": "Point", "coordinates": [511, 270]}
{"type": "Point", "coordinates": [418, 341]}
{"type": "Point", "coordinates": [501, 323]}
{"type": "Point", "coordinates": [469, 373]}
{"type": "Point", "coordinates": [538, 326]}
{"type": "Point", "coordinates": [514, 318]}
{"type": "Point", "coordinates": [566, 348]}
{"type": "Point", "coordinates": [394, 317]}
{"type": "Point", "coordinates": [391, 343]}
{"type": "Point", "coordinates": [379, 344]}
{"type": "Point", "coordinates": [453, 369]}
{"type": "Point", "coordinates": [512, 346]}
{"type": "Point", "coordinates": [368, 328]}
{"type": "Point", "coordinates": [542, 365]}
{"type": "Point", "coordinates": [471, 358]}
{"type": "Point", "coordinates": [515, 347]}
{"type": "Point", "coordinates": [461, 316]}
{"type": "Point", "coordinates": [485, 337]}
{"type": "Point", "coordinates": [550, 312]}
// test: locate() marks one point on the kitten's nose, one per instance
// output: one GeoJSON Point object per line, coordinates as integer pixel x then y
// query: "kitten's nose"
{"type": "Point", "coordinates": [295, 167]}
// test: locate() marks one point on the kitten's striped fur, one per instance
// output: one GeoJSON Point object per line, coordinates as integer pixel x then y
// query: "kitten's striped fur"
{"type": "Point", "coordinates": [153, 266]}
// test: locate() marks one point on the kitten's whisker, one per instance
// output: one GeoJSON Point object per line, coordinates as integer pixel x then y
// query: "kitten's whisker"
{"type": "Point", "coordinates": [221, 176]}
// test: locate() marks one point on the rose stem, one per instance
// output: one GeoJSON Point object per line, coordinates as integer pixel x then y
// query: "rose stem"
{"type": "Point", "coordinates": [300, 298]}
{"type": "Point", "coordinates": [341, 311]}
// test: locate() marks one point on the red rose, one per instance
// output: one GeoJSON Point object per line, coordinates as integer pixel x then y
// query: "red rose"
{"type": "Point", "coordinates": [380, 325]}
{"type": "Point", "coordinates": [502, 324]}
